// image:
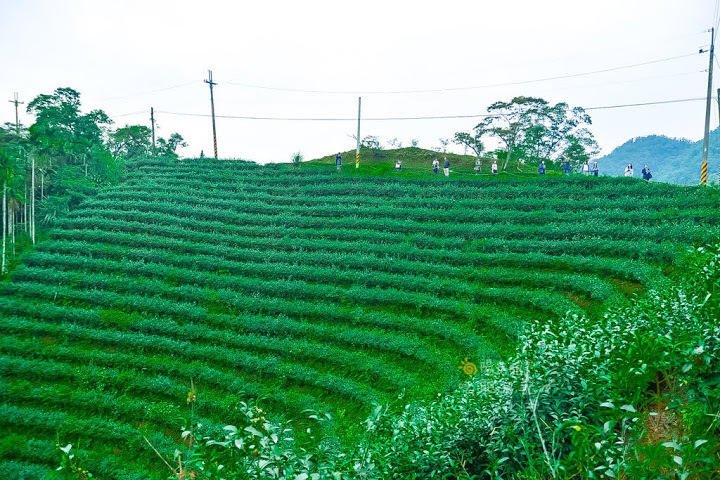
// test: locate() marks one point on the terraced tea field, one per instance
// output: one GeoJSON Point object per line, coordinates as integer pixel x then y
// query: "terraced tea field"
{"type": "Point", "coordinates": [304, 288]}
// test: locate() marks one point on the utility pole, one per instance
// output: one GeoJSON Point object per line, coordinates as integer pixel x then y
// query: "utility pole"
{"type": "Point", "coordinates": [212, 108]}
{"type": "Point", "coordinates": [706, 139]}
{"type": "Point", "coordinates": [357, 151]}
{"type": "Point", "coordinates": [152, 121]}
{"type": "Point", "coordinates": [17, 118]}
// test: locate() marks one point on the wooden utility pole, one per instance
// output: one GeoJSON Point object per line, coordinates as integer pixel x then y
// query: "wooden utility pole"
{"type": "Point", "coordinates": [17, 117]}
{"type": "Point", "coordinates": [152, 121]}
{"type": "Point", "coordinates": [212, 108]}
{"type": "Point", "coordinates": [706, 138]}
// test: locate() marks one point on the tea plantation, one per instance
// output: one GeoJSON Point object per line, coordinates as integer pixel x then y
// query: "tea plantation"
{"type": "Point", "coordinates": [193, 286]}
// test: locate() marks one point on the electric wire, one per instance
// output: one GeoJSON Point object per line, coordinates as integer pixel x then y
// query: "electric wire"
{"type": "Point", "coordinates": [128, 114]}
{"type": "Point", "coordinates": [150, 91]}
{"type": "Point", "coordinates": [428, 117]}
{"type": "Point", "coordinates": [454, 89]}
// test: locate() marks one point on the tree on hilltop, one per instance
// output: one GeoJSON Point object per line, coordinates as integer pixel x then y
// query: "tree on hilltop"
{"type": "Point", "coordinates": [532, 129]}
{"type": "Point", "coordinates": [472, 140]}
{"type": "Point", "coordinates": [133, 141]}
{"type": "Point", "coordinates": [508, 121]}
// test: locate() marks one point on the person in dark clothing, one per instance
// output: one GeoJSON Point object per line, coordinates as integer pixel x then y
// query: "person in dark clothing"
{"type": "Point", "coordinates": [595, 170]}
{"type": "Point", "coordinates": [541, 168]}
{"type": "Point", "coordinates": [338, 161]}
{"type": "Point", "coordinates": [647, 176]}
{"type": "Point", "coordinates": [446, 167]}
{"type": "Point", "coordinates": [566, 166]}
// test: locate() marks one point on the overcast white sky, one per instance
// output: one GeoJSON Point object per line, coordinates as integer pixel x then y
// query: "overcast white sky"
{"type": "Point", "coordinates": [118, 54]}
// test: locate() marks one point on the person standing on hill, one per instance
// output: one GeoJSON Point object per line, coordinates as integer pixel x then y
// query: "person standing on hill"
{"type": "Point", "coordinates": [338, 161]}
{"type": "Point", "coordinates": [595, 170]}
{"type": "Point", "coordinates": [494, 167]}
{"type": "Point", "coordinates": [446, 167]}
{"type": "Point", "coordinates": [647, 176]}
{"type": "Point", "coordinates": [629, 170]}
{"type": "Point", "coordinates": [566, 166]}
{"type": "Point", "coordinates": [398, 165]}
{"type": "Point", "coordinates": [586, 169]}
{"type": "Point", "coordinates": [541, 168]}
{"type": "Point", "coordinates": [477, 166]}
{"type": "Point", "coordinates": [436, 166]}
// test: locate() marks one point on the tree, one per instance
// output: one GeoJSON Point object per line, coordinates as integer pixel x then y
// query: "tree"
{"type": "Point", "coordinates": [579, 150]}
{"type": "Point", "coordinates": [473, 141]}
{"type": "Point", "coordinates": [11, 143]}
{"type": "Point", "coordinates": [64, 138]}
{"type": "Point", "coordinates": [372, 142]}
{"type": "Point", "coordinates": [61, 131]}
{"type": "Point", "coordinates": [166, 148]}
{"type": "Point", "coordinates": [444, 142]}
{"type": "Point", "coordinates": [548, 133]}
{"type": "Point", "coordinates": [394, 143]}
{"type": "Point", "coordinates": [131, 141]}
{"type": "Point", "coordinates": [532, 129]}
{"type": "Point", "coordinates": [508, 121]}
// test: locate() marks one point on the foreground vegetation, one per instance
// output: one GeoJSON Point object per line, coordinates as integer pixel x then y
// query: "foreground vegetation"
{"type": "Point", "coordinates": [200, 293]}
{"type": "Point", "coordinates": [633, 394]}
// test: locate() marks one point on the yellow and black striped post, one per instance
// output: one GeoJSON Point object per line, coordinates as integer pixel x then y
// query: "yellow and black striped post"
{"type": "Point", "coordinates": [703, 174]}
{"type": "Point", "coordinates": [357, 159]}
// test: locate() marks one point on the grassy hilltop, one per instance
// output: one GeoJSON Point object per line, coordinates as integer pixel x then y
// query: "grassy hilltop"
{"type": "Point", "coordinates": [414, 160]}
{"type": "Point", "coordinates": [195, 285]}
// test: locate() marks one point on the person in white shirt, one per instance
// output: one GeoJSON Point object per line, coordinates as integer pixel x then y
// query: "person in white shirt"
{"type": "Point", "coordinates": [629, 170]}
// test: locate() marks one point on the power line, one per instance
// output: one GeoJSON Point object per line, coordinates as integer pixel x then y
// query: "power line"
{"type": "Point", "coordinates": [128, 114]}
{"type": "Point", "coordinates": [429, 117]}
{"type": "Point", "coordinates": [664, 102]}
{"type": "Point", "coordinates": [309, 119]}
{"type": "Point", "coordinates": [453, 89]}
{"type": "Point", "coordinates": [149, 92]}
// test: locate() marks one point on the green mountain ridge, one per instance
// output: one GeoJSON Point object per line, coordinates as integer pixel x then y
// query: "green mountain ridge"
{"type": "Point", "coordinates": [672, 160]}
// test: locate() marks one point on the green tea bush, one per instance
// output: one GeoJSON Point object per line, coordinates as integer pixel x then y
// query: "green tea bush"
{"type": "Point", "coordinates": [634, 394]}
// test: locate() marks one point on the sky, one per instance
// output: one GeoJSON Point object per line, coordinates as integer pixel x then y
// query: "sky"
{"type": "Point", "coordinates": [289, 59]}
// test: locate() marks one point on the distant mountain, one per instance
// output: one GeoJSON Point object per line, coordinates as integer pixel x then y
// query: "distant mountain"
{"type": "Point", "coordinates": [672, 160]}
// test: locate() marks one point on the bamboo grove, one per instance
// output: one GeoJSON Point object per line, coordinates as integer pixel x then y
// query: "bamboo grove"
{"type": "Point", "coordinates": [65, 155]}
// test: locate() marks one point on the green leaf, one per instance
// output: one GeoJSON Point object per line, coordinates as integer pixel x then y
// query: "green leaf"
{"type": "Point", "coordinates": [253, 431]}
{"type": "Point", "coordinates": [672, 445]}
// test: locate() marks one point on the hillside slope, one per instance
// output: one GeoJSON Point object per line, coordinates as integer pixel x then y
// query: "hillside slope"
{"type": "Point", "coordinates": [671, 160]}
{"type": "Point", "coordinates": [305, 288]}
